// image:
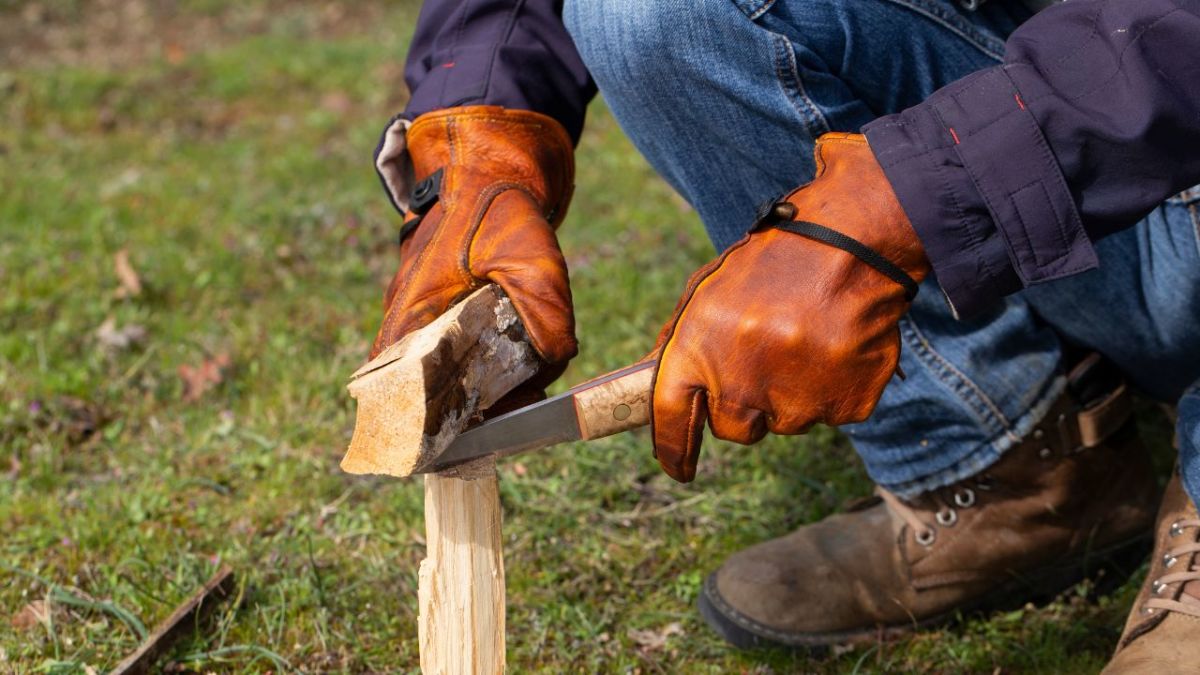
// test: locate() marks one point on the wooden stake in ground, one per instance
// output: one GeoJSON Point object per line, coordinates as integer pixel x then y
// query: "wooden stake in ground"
{"type": "Point", "coordinates": [413, 399]}
{"type": "Point", "coordinates": [460, 585]}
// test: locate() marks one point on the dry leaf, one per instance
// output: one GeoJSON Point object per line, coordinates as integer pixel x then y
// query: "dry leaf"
{"type": "Point", "coordinates": [199, 379]}
{"type": "Point", "coordinates": [31, 616]}
{"type": "Point", "coordinates": [651, 640]}
{"type": "Point", "coordinates": [174, 53]}
{"type": "Point", "coordinates": [131, 283]}
{"type": "Point", "coordinates": [116, 339]}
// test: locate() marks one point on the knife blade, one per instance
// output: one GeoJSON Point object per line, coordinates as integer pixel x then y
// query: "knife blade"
{"type": "Point", "coordinates": [607, 405]}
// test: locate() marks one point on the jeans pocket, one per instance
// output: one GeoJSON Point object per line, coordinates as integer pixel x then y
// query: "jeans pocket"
{"type": "Point", "coordinates": [753, 8]}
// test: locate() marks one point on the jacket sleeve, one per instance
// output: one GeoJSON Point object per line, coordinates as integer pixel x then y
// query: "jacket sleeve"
{"type": "Point", "coordinates": [1011, 173]}
{"type": "Point", "coordinates": [512, 53]}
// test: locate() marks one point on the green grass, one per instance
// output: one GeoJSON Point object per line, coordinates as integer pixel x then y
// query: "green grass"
{"type": "Point", "coordinates": [226, 146]}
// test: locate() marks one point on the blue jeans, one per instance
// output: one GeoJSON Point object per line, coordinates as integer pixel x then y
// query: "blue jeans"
{"type": "Point", "coordinates": [725, 98]}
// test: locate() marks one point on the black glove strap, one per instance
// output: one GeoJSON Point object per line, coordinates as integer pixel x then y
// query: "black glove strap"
{"type": "Point", "coordinates": [779, 214]}
{"type": "Point", "coordinates": [424, 195]}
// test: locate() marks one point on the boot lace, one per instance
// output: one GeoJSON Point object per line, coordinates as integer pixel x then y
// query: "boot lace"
{"type": "Point", "coordinates": [1173, 557]}
{"type": "Point", "coordinates": [946, 515]}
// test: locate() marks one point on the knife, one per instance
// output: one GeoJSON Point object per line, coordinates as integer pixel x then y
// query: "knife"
{"type": "Point", "coordinates": [607, 405]}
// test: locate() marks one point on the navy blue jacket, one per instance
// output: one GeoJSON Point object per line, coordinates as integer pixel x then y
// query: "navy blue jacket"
{"type": "Point", "coordinates": [1008, 175]}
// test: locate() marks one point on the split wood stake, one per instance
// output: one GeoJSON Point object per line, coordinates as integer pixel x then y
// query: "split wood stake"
{"type": "Point", "coordinates": [461, 580]}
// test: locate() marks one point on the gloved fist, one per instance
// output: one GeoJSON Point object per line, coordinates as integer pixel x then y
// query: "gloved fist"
{"type": "Point", "coordinates": [493, 184]}
{"type": "Point", "coordinates": [795, 324]}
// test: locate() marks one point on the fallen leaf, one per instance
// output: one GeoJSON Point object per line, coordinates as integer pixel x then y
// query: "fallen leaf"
{"type": "Point", "coordinates": [174, 53]}
{"type": "Point", "coordinates": [117, 339]}
{"type": "Point", "coordinates": [199, 379]}
{"type": "Point", "coordinates": [131, 283]}
{"type": "Point", "coordinates": [31, 616]}
{"type": "Point", "coordinates": [651, 640]}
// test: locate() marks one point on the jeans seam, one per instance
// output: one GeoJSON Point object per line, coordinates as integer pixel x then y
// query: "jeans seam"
{"type": "Point", "coordinates": [1195, 225]}
{"type": "Point", "coordinates": [991, 48]}
{"type": "Point", "coordinates": [788, 73]}
{"type": "Point", "coordinates": [757, 11]}
{"type": "Point", "coordinates": [962, 386]}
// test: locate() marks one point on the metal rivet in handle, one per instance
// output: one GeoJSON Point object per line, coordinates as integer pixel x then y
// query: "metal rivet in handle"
{"type": "Point", "coordinates": [621, 412]}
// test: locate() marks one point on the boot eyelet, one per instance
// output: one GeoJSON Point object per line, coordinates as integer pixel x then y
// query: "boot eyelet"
{"type": "Point", "coordinates": [1169, 561]}
{"type": "Point", "coordinates": [947, 517]}
{"type": "Point", "coordinates": [965, 498]}
{"type": "Point", "coordinates": [985, 483]}
{"type": "Point", "coordinates": [1045, 453]}
{"type": "Point", "coordinates": [926, 537]}
{"type": "Point", "coordinates": [1176, 529]}
{"type": "Point", "coordinates": [1038, 434]}
{"type": "Point", "coordinates": [1157, 587]}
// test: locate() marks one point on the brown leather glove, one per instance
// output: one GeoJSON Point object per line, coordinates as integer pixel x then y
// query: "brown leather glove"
{"type": "Point", "coordinates": [493, 186]}
{"type": "Point", "coordinates": [795, 324]}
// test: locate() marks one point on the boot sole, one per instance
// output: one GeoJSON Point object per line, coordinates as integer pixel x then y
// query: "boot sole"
{"type": "Point", "coordinates": [1112, 566]}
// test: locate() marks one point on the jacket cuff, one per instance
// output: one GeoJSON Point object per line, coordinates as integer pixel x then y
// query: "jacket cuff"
{"type": "Point", "coordinates": [983, 191]}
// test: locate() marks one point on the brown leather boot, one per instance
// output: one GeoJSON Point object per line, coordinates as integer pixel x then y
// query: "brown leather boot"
{"type": "Point", "coordinates": [1074, 497]}
{"type": "Point", "coordinates": [1162, 634]}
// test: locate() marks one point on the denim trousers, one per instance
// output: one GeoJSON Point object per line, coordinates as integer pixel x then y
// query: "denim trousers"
{"type": "Point", "coordinates": [725, 98]}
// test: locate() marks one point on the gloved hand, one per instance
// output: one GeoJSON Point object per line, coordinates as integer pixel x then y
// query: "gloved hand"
{"type": "Point", "coordinates": [795, 324]}
{"type": "Point", "coordinates": [493, 186]}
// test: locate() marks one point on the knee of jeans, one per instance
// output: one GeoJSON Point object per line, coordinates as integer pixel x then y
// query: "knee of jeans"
{"type": "Point", "coordinates": [632, 43]}
{"type": "Point", "coordinates": [638, 44]}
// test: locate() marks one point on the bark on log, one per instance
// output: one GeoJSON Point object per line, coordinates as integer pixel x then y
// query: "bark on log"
{"type": "Point", "coordinates": [421, 392]}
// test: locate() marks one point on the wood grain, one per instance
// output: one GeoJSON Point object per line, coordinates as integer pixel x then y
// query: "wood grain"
{"type": "Point", "coordinates": [416, 396]}
{"type": "Point", "coordinates": [461, 581]}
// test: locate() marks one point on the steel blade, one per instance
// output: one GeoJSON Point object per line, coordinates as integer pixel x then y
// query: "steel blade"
{"type": "Point", "coordinates": [539, 425]}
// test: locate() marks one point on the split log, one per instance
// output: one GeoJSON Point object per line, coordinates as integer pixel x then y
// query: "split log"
{"type": "Point", "coordinates": [413, 399]}
{"type": "Point", "coordinates": [421, 392]}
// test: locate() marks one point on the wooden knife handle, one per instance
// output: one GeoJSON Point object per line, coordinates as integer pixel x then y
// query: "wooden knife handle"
{"type": "Point", "coordinates": [616, 402]}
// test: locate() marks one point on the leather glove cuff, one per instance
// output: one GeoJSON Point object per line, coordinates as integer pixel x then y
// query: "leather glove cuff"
{"type": "Point", "coordinates": [855, 211]}
{"type": "Point", "coordinates": [407, 149]}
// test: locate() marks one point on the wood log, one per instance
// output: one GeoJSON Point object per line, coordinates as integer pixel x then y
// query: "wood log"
{"type": "Point", "coordinates": [421, 392]}
{"type": "Point", "coordinates": [413, 399]}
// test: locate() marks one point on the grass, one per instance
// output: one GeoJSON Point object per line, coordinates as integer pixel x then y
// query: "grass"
{"type": "Point", "coordinates": [226, 148]}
